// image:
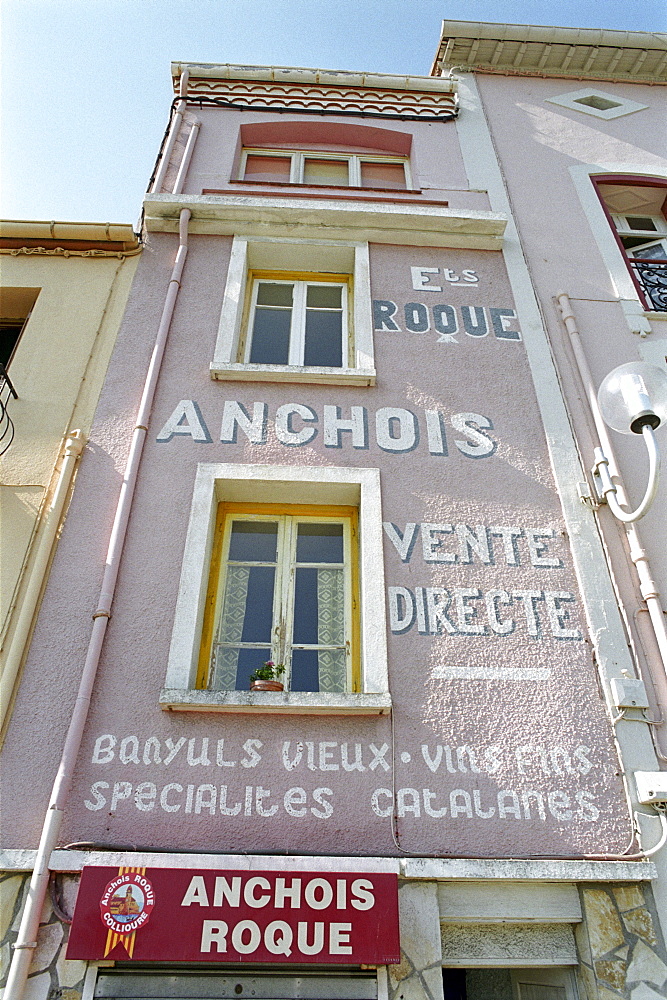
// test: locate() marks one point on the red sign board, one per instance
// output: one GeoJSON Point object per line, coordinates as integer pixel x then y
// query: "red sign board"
{"type": "Point", "coordinates": [198, 915]}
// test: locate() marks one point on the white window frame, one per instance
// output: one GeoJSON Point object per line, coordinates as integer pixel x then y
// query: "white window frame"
{"type": "Point", "coordinates": [652, 237]}
{"type": "Point", "coordinates": [349, 259]}
{"type": "Point", "coordinates": [297, 339]}
{"type": "Point", "coordinates": [299, 158]}
{"type": "Point", "coordinates": [279, 484]}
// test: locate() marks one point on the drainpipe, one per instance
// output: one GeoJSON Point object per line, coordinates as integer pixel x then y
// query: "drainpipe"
{"type": "Point", "coordinates": [187, 156]}
{"type": "Point", "coordinates": [73, 447]}
{"type": "Point", "coordinates": [647, 585]}
{"type": "Point", "coordinates": [173, 132]}
{"type": "Point", "coordinates": [27, 936]}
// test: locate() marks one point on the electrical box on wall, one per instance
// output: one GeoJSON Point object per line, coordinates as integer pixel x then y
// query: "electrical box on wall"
{"type": "Point", "coordinates": [651, 787]}
{"type": "Point", "coordinates": [629, 693]}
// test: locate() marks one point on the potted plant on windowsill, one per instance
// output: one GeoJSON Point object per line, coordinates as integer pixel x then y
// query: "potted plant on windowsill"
{"type": "Point", "coordinates": [267, 678]}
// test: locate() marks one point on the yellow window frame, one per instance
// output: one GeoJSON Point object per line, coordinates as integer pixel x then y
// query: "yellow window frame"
{"type": "Point", "coordinates": [226, 513]}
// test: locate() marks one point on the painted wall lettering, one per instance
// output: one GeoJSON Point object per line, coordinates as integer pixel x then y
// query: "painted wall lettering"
{"type": "Point", "coordinates": [394, 429]}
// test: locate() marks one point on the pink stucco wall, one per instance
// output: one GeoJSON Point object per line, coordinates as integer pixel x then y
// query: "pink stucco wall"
{"type": "Point", "coordinates": [435, 157]}
{"type": "Point", "coordinates": [539, 143]}
{"type": "Point", "coordinates": [568, 751]}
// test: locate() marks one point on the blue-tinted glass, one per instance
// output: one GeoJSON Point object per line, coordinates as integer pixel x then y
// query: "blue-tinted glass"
{"type": "Point", "coordinates": [305, 670]}
{"type": "Point", "coordinates": [253, 541]}
{"type": "Point", "coordinates": [324, 339]}
{"type": "Point", "coordinates": [270, 336]}
{"type": "Point", "coordinates": [319, 543]}
{"type": "Point", "coordinates": [305, 607]}
{"type": "Point", "coordinates": [249, 660]}
{"type": "Point", "coordinates": [258, 620]}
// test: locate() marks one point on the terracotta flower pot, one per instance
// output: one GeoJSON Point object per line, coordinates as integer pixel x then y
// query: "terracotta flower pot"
{"type": "Point", "coordinates": [266, 686]}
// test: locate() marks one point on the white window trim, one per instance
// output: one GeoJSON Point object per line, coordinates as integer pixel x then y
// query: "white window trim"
{"type": "Point", "coordinates": [299, 157]}
{"type": "Point", "coordinates": [276, 484]}
{"type": "Point", "coordinates": [225, 364]}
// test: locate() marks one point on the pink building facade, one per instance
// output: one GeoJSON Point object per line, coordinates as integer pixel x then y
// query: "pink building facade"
{"type": "Point", "coordinates": [355, 433]}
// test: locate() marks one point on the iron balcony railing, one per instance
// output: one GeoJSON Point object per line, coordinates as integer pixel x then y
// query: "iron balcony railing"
{"type": "Point", "coordinates": [7, 390]}
{"type": "Point", "coordinates": [651, 276]}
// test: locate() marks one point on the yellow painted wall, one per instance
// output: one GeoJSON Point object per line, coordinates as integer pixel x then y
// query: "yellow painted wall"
{"type": "Point", "coordinates": [57, 370]}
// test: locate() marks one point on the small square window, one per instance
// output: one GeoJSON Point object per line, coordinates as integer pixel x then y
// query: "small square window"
{"type": "Point", "coordinates": [599, 103]}
{"type": "Point", "coordinates": [596, 102]}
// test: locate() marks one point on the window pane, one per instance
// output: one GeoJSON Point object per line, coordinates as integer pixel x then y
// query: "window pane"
{"type": "Point", "coordinates": [247, 610]}
{"type": "Point", "coordinates": [10, 331]}
{"type": "Point", "coordinates": [318, 670]}
{"type": "Point", "coordinates": [305, 670]}
{"type": "Point", "coordinates": [258, 620]}
{"type": "Point", "coordinates": [270, 336]}
{"type": "Point", "coordinates": [382, 175]}
{"type": "Point", "coordinates": [232, 667]}
{"type": "Point", "coordinates": [324, 339]}
{"type": "Point", "coordinates": [253, 541]}
{"type": "Point", "coordinates": [271, 293]}
{"type": "Point", "coordinates": [641, 222]}
{"type": "Point", "coordinates": [325, 172]}
{"type": "Point", "coordinates": [654, 251]}
{"type": "Point", "coordinates": [324, 296]}
{"type": "Point", "coordinates": [318, 543]}
{"type": "Point", "coordinates": [268, 168]}
{"type": "Point", "coordinates": [319, 607]}
{"type": "Point", "coordinates": [305, 607]}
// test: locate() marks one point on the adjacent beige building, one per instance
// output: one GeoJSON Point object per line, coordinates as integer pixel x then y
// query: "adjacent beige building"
{"type": "Point", "coordinates": [63, 289]}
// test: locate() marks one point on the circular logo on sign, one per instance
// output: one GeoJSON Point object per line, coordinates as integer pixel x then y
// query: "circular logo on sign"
{"type": "Point", "coordinates": [126, 903]}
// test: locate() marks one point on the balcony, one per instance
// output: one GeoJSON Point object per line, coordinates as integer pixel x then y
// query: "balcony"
{"type": "Point", "coordinates": [651, 279]}
{"type": "Point", "coordinates": [7, 390]}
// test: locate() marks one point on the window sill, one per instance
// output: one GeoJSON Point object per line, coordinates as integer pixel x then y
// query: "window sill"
{"type": "Point", "coordinates": [275, 702]}
{"type": "Point", "coordinates": [292, 373]}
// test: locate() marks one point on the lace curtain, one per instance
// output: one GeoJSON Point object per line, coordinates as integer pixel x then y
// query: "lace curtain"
{"type": "Point", "coordinates": [231, 628]}
{"type": "Point", "coordinates": [331, 629]}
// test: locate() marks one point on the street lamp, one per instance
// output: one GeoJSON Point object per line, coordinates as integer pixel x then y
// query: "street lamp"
{"type": "Point", "coordinates": [632, 400]}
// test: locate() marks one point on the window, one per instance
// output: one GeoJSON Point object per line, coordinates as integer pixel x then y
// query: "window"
{"type": "Point", "coordinates": [298, 322]}
{"type": "Point", "coordinates": [597, 103]}
{"type": "Point", "coordinates": [635, 209]}
{"type": "Point", "coordinates": [282, 587]}
{"type": "Point", "coordinates": [15, 307]}
{"type": "Point", "coordinates": [644, 237]}
{"type": "Point", "coordinates": [327, 169]}
{"type": "Point", "coordinates": [280, 322]}
{"type": "Point", "coordinates": [264, 579]}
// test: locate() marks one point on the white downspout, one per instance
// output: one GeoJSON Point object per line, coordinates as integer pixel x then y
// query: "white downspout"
{"type": "Point", "coordinates": [647, 585]}
{"type": "Point", "coordinates": [187, 156]}
{"type": "Point", "coordinates": [74, 445]}
{"type": "Point", "coordinates": [173, 132]}
{"type": "Point", "coordinates": [27, 936]}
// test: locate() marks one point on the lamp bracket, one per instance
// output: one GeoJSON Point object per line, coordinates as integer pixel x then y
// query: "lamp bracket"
{"type": "Point", "coordinates": [587, 497]}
